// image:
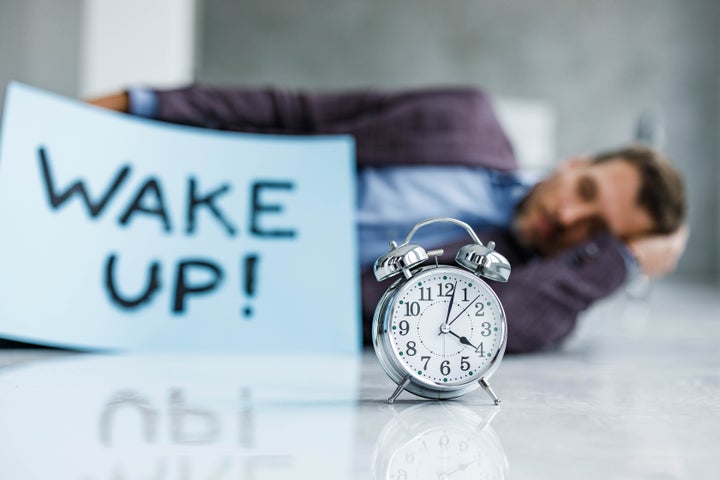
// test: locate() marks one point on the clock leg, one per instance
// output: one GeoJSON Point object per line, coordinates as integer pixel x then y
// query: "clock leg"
{"type": "Point", "coordinates": [398, 390]}
{"type": "Point", "coordinates": [486, 386]}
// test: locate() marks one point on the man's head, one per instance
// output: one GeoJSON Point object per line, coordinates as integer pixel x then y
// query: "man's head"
{"type": "Point", "coordinates": [631, 192]}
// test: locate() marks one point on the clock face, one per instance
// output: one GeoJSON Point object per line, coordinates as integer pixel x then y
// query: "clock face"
{"type": "Point", "coordinates": [446, 327]}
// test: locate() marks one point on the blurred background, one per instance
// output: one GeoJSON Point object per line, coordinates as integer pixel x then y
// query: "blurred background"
{"type": "Point", "coordinates": [594, 71]}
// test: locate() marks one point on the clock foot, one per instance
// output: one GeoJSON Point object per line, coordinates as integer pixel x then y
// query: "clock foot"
{"type": "Point", "coordinates": [486, 386]}
{"type": "Point", "coordinates": [398, 390]}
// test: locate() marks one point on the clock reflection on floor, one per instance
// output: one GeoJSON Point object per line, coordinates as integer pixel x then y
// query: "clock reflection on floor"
{"type": "Point", "coordinates": [439, 441]}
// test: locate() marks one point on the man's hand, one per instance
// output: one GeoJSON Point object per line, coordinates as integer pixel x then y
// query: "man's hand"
{"type": "Point", "coordinates": [118, 102]}
{"type": "Point", "coordinates": [658, 254]}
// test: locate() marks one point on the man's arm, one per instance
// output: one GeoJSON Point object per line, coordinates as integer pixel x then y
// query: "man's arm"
{"type": "Point", "coordinates": [544, 297]}
{"type": "Point", "coordinates": [442, 126]}
{"type": "Point", "coordinates": [120, 102]}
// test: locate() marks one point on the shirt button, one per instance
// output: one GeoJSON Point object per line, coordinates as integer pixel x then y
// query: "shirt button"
{"type": "Point", "coordinates": [592, 250]}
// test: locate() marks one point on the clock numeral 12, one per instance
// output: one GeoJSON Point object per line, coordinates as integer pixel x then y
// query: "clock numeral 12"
{"type": "Point", "coordinates": [447, 291]}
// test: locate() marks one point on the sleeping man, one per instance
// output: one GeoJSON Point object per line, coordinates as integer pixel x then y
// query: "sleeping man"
{"type": "Point", "coordinates": [572, 238]}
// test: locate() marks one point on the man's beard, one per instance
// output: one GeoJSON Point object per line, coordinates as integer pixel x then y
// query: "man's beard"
{"type": "Point", "coordinates": [525, 238]}
{"type": "Point", "coordinates": [544, 233]}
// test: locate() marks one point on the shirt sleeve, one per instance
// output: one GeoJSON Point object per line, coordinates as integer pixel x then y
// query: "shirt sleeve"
{"type": "Point", "coordinates": [450, 126]}
{"type": "Point", "coordinates": [143, 102]}
{"type": "Point", "coordinates": [543, 298]}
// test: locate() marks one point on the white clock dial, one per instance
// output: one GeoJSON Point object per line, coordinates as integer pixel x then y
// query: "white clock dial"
{"type": "Point", "coordinates": [446, 326]}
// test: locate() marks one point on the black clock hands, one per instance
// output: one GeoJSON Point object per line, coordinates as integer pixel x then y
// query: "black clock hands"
{"type": "Point", "coordinates": [463, 340]}
{"type": "Point", "coordinates": [445, 326]}
{"type": "Point", "coordinates": [463, 310]}
{"type": "Point", "coordinates": [452, 299]}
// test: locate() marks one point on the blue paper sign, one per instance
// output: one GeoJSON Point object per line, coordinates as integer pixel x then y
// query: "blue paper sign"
{"type": "Point", "coordinates": [124, 233]}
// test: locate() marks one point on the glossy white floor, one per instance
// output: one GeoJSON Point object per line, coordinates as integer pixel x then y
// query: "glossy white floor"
{"type": "Point", "coordinates": [635, 395]}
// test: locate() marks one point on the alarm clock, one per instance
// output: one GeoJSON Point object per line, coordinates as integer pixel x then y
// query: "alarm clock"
{"type": "Point", "coordinates": [440, 331]}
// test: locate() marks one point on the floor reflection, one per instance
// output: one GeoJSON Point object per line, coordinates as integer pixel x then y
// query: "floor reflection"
{"type": "Point", "coordinates": [440, 440]}
{"type": "Point", "coordinates": [599, 409]}
{"type": "Point", "coordinates": [179, 417]}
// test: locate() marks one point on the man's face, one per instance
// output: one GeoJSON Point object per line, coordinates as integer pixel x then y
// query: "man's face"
{"type": "Point", "coordinates": [578, 200]}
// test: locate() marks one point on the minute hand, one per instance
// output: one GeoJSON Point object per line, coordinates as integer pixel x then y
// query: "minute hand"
{"type": "Point", "coordinates": [452, 299]}
{"type": "Point", "coordinates": [463, 310]}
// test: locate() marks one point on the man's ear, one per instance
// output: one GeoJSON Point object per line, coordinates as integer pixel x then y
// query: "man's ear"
{"type": "Point", "coordinates": [578, 161]}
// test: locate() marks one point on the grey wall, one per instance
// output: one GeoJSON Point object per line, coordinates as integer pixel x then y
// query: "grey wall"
{"type": "Point", "coordinates": [599, 62]}
{"type": "Point", "coordinates": [40, 44]}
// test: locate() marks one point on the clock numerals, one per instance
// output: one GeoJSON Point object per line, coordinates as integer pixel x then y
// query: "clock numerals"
{"type": "Point", "coordinates": [444, 329]}
{"type": "Point", "coordinates": [465, 296]}
{"type": "Point", "coordinates": [445, 367]}
{"type": "Point", "coordinates": [404, 327]}
{"type": "Point", "coordinates": [486, 329]}
{"type": "Point", "coordinates": [445, 290]}
{"type": "Point", "coordinates": [412, 309]}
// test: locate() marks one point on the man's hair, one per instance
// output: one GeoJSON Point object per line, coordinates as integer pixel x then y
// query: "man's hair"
{"type": "Point", "coordinates": [662, 191]}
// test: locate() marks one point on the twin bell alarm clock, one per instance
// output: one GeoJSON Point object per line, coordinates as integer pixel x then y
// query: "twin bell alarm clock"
{"type": "Point", "coordinates": [440, 331]}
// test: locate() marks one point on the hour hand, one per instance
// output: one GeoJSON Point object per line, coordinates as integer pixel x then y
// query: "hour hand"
{"type": "Point", "coordinates": [463, 339]}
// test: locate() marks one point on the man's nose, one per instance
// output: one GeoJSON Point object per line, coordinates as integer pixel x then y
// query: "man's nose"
{"type": "Point", "coordinates": [573, 212]}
